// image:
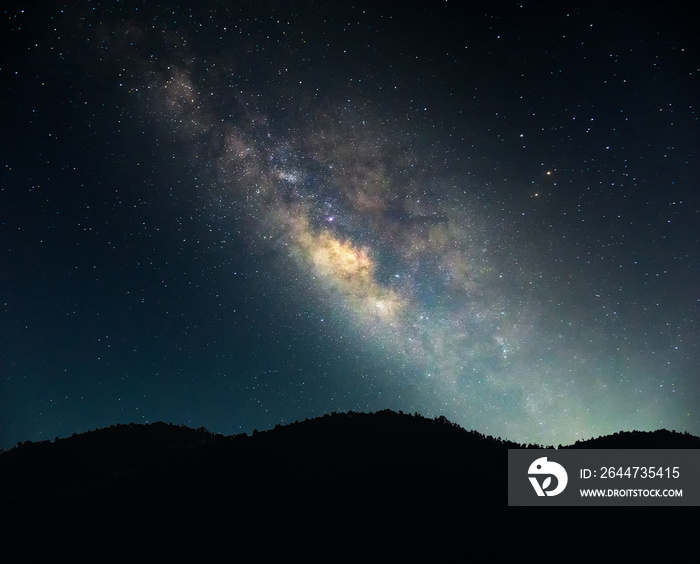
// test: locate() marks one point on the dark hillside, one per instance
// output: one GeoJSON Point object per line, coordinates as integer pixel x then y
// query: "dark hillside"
{"type": "Point", "coordinates": [384, 484]}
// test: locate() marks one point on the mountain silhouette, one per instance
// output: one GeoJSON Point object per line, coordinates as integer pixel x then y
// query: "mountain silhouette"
{"type": "Point", "coordinates": [339, 487]}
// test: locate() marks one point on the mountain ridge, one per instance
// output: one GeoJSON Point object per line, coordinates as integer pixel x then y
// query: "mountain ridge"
{"type": "Point", "coordinates": [387, 482]}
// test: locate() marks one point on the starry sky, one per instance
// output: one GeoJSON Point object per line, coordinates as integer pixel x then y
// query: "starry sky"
{"type": "Point", "coordinates": [239, 214]}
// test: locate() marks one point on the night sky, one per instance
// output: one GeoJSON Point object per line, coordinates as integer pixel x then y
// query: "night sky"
{"type": "Point", "coordinates": [239, 214]}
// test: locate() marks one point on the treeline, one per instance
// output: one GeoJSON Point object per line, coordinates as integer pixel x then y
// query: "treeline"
{"type": "Point", "coordinates": [661, 438]}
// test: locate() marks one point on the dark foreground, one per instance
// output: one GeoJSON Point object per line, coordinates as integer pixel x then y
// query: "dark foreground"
{"type": "Point", "coordinates": [342, 487]}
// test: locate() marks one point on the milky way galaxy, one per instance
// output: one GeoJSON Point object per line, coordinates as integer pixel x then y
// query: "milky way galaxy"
{"type": "Point", "coordinates": [376, 230]}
